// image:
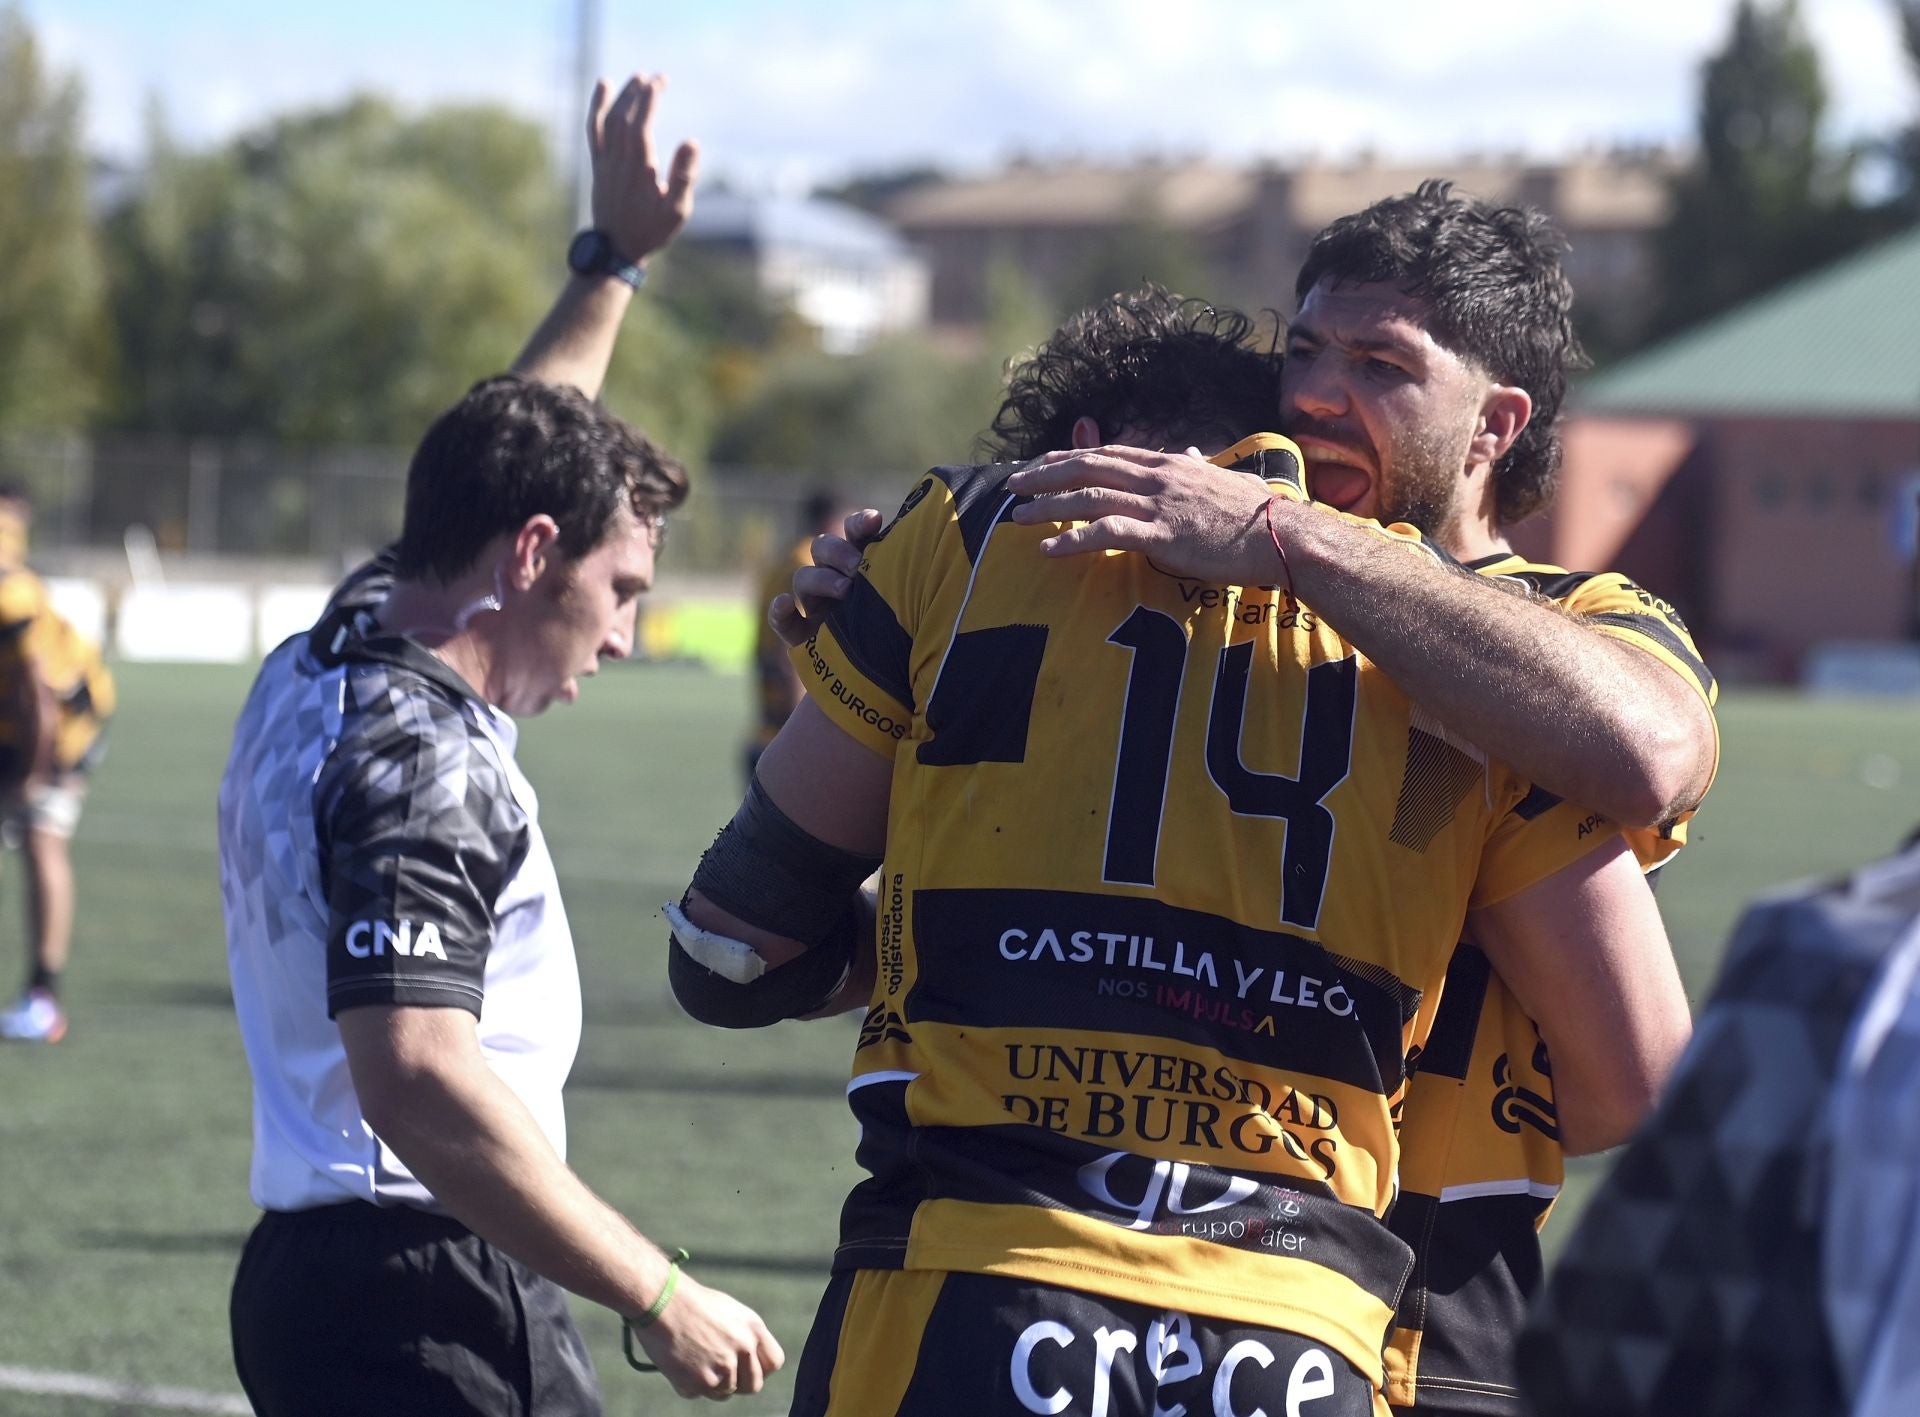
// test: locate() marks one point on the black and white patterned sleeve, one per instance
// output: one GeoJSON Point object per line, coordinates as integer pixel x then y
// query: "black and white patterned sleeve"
{"type": "Point", "coordinates": [1692, 1286]}
{"type": "Point", "coordinates": [1871, 1227]}
{"type": "Point", "coordinates": [419, 834]}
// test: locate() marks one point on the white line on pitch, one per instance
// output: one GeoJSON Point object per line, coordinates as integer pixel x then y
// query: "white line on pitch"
{"type": "Point", "coordinates": [44, 1383]}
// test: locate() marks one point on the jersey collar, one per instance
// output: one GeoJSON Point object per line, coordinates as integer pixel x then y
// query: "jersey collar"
{"type": "Point", "coordinates": [1498, 561]}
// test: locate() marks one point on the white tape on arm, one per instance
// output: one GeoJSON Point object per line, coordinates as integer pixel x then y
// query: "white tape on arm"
{"type": "Point", "coordinates": [725, 956]}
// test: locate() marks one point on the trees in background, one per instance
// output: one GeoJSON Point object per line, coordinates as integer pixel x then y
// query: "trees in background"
{"type": "Point", "coordinates": [1128, 257]}
{"type": "Point", "coordinates": [340, 276]}
{"type": "Point", "coordinates": [900, 406]}
{"type": "Point", "coordinates": [1765, 199]}
{"type": "Point", "coordinates": [53, 348]}
{"type": "Point", "coordinates": [337, 276]}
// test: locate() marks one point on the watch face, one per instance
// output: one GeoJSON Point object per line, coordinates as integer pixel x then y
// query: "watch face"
{"type": "Point", "coordinates": [594, 254]}
{"type": "Point", "coordinates": [588, 253]}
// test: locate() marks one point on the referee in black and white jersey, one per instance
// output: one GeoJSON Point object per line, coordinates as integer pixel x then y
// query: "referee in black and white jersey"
{"type": "Point", "coordinates": [402, 968]}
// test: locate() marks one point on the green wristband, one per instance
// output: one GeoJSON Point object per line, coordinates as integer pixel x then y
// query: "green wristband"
{"type": "Point", "coordinates": [628, 1326]}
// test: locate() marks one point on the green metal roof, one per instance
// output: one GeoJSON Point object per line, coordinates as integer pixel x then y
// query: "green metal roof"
{"type": "Point", "coordinates": [1843, 342]}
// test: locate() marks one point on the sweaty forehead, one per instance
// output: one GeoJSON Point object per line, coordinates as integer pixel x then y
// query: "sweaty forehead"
{"type": "Point", "coordinates": [1365, 315]}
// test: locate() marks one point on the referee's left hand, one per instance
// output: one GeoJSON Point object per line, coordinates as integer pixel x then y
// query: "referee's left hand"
{"type": "Point", "coordinates": [709, 1344]}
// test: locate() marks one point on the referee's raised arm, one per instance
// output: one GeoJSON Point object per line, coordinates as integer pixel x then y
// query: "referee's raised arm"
{"type": "Point", "coordinates": [635, 214]}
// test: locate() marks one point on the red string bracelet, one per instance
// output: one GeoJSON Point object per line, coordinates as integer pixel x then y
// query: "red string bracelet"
{"type": "Point", "coordinates": [1285, 568]}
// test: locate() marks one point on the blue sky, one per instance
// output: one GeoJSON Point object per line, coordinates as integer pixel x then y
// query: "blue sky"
{"type": "Point", "coordinates": [785, 94]}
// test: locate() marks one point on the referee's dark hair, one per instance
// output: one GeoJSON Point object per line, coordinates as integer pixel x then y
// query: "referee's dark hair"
{"type": "Point", "coordinates": [1496, 295]}
{"type": "Point", "coordinates": [512, 449]}
{"type": "Point", "coordinates": [1143, 359]}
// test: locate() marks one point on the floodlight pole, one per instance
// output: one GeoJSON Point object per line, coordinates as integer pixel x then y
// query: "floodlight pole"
{"type": "Point", "coordinates": [586, 69]}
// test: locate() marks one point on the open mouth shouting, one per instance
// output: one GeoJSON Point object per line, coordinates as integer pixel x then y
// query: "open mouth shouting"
{"type": "Point", "coordinates": [1337, 474]}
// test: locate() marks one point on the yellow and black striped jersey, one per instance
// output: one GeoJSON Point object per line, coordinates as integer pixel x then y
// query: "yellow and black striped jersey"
{"type": "Point", "coordinates": [1481, 1161]}
{"type": "Point", "coordinates": [1169, 871]}
{"type": "Point", "coordinates": [1621, 610]}
{"type": "Point", "coordinates": [36, 638]}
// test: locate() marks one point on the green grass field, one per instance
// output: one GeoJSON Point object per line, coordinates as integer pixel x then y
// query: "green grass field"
{"type": "Point", "coordinates": [123, 1152]}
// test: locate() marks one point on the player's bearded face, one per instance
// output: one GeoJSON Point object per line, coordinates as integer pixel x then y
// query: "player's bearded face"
{"type": "Point", "coordinates": [1422, 482]}
{"type": "Point", "coordinates": [1383, 413]}
{"type": "Point", "coordinates": [1417, 480]}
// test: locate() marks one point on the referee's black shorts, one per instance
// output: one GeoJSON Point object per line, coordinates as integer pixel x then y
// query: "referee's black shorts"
{"type": "Point", "coordinates": [362, 1308]}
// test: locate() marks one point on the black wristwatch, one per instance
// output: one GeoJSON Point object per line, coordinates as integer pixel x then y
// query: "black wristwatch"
{"type": "Point", "coordinates": [592, 254]}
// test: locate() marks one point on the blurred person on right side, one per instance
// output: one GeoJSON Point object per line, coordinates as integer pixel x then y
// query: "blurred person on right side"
{"type": "Point", "coordinates": [1756, 1250]}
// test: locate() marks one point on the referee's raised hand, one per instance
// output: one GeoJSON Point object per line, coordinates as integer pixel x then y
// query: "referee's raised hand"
{"type": "Point", "coordinates": [635, 213]}
{"type": "Point", "coordinates": [630, 202]}
{"type": "Point", "coordinates": [709, 1344]}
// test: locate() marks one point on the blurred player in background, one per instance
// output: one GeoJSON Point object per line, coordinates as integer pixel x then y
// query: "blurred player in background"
{"type": "Point", "coordinates": [777, 686]}
{"type": "Point", "coordinates": [55, 699]}
{"type": "Point", "coordinates": [996, 1083]}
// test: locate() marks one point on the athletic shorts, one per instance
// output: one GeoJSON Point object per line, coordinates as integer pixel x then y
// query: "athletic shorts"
{"type": "Point", "coordinates": [52, 807]}
{"type": "Point", "coordinates": [362, 1308]}
{"type": "Point", "coordinates": [923, 1343]}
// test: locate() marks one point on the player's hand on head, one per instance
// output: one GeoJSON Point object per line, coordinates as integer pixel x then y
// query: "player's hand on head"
{"type": "Point", "coordinates": [1117, 466]}
{"type": "Point", "coordinates": [639, 207]}
{"type": "Point", "coordinates": [1193, 518]}
{"type": "Point", "coordinates": [709, 1344]}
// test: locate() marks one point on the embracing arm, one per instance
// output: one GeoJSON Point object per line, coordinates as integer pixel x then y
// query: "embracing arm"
{"type": "Point", "coordinates": [1577, 712]}
{"type": "Point", "coordinates": [1586, 954]}
{"type": "Point", "coordinates": [1584, 715]}
{"type": "Point", "coordinates": [574, 343]}
{"type": "Point", "coordinates": [426, 1090]}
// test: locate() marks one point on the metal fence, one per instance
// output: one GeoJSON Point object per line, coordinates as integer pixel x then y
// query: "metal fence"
{"type": "Point", "coordinates": [258, 499]}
